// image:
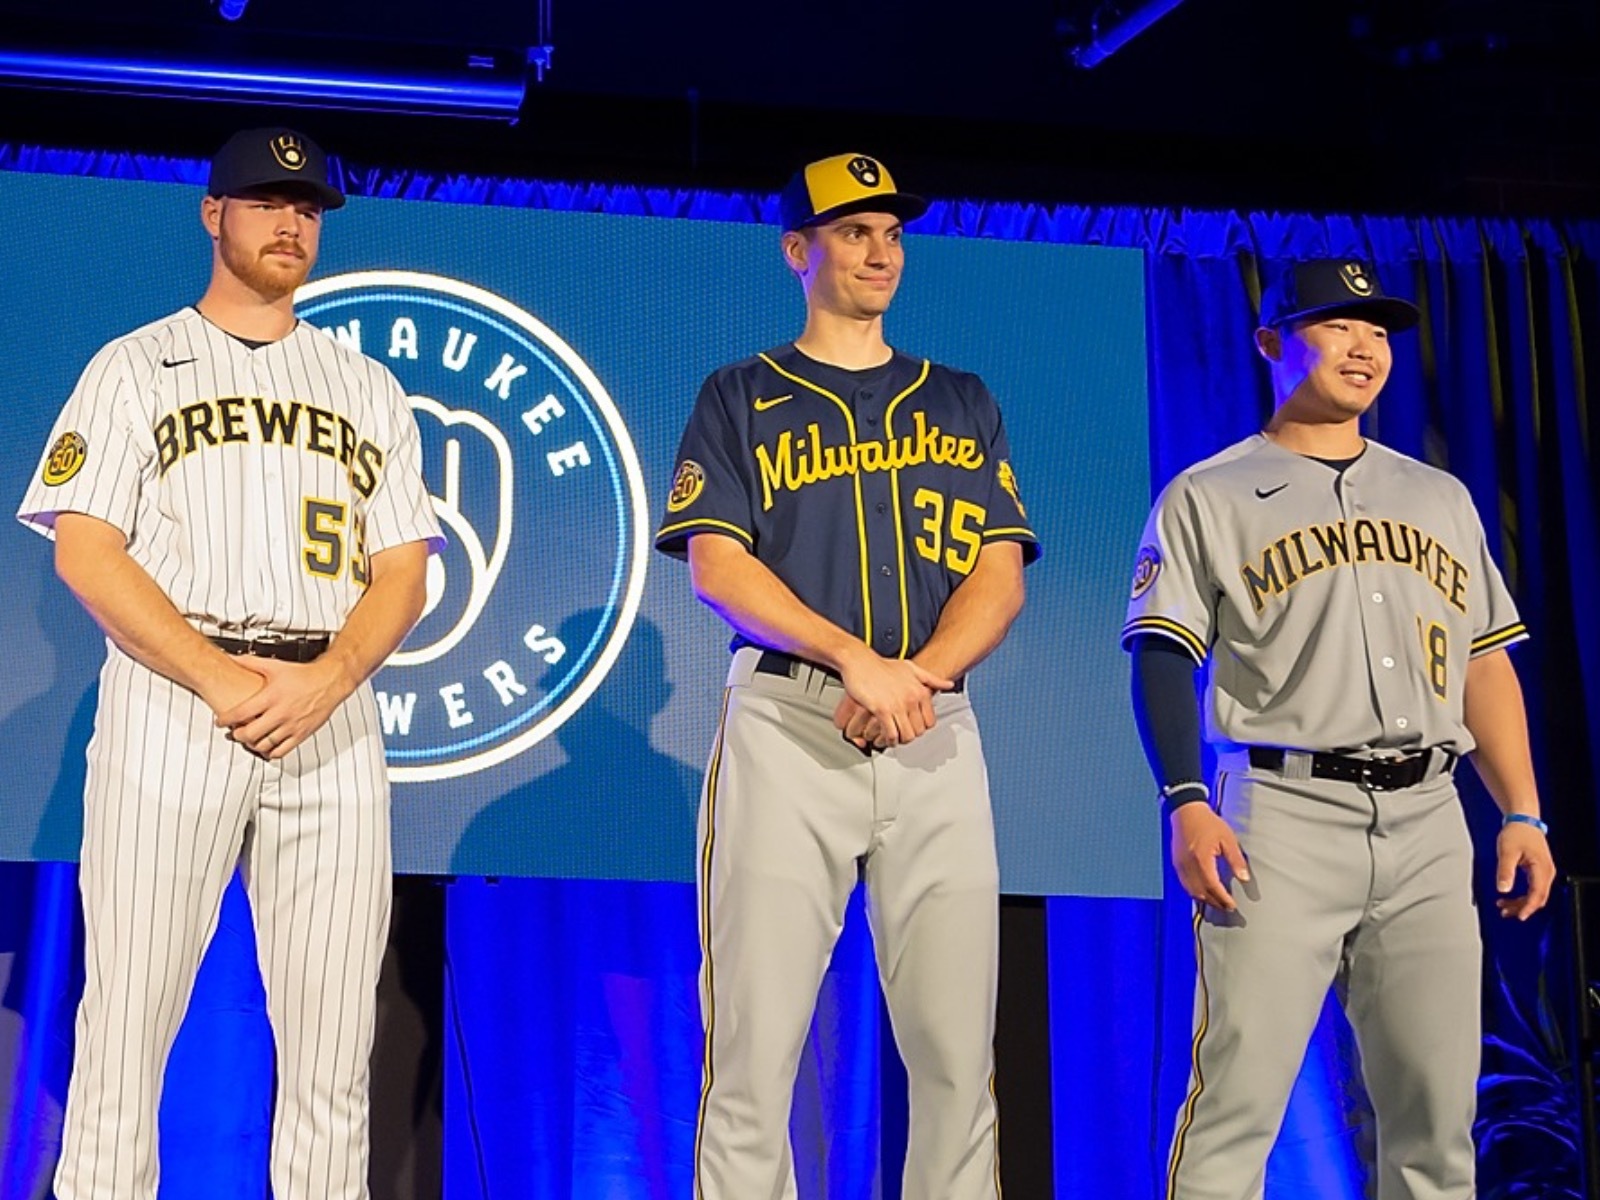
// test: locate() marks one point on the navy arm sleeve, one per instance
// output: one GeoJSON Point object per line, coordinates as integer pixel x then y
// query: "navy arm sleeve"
{"type": "Point", "coordinates": [1168, 718]}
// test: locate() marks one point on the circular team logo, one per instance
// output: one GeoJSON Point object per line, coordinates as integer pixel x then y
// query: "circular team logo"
{"type": "Point", "coordinates": [1146, 570]}
{"type": "Point", "coordinates": [686, 486]}
{"type": "Point", "coordinates": [65, 459]}
{"type": "Point", "coordinates": [538, 489]}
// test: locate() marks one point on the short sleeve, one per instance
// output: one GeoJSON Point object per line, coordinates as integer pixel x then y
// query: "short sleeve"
{"type": "Point", "coordinates": [1172, 595]}
{"type": "Point", "coordinates": [1007, 519]}
{"type": "Point", "coordinates": [400, 510]}
{"type": "Point", "coordinates": [97, 454]}
{"type": "Point", "coordinates": [1495, 621]}
{"type": "Point", "coordinates": [711, 490]}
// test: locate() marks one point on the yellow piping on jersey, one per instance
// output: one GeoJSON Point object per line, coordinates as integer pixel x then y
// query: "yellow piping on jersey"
{"type": "Point", "coordinates": [713, 777]}
{"type": "Point", "coordinates": [1197, 1083]}
{"type": "Point", "coordinates": [703, 523]}
{"type": "Point", "coordinates": [899, 528]}
{"type": "Point", "coordinates": [1502, 637]}
{"type": "Point", "coordinates": [1166, 628]}
{"type": "Point", "coordinates": [855, 479]}
{"type": "Point", "coordinates": [1000, 530]}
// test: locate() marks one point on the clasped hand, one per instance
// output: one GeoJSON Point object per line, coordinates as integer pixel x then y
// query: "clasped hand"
{"type": "Point", "coordinates": [887, 702]}
{"type": "Point", "coordinates": [289, 702]}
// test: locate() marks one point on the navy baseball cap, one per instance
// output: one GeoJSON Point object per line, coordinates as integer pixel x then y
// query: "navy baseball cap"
{"type": "Point", "coordinates": [841, 185]}
{"type": "Point", "coordinates": [276, 157]}
{"type": "Point", "coordinates": [1325, 285]}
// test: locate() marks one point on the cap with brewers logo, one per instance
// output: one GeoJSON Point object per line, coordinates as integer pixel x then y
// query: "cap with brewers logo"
{"type": "Point", "coordinates": [841, 185]}
{"type": "Point", "coordinates": [267, 158]}
{"type": "Point", "coordinates": [1327, 285]}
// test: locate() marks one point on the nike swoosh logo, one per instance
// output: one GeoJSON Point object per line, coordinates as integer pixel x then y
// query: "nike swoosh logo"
{"type": "Point", "coordinates": [761, 405]}
{"type": "Point", "coordinates": [176, 362]}
{"type": "Point", "coordinates": [1262, 495]}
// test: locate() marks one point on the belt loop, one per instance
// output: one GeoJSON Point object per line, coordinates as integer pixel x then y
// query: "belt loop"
{"type": "Point", "coordinates": [1296, 765]}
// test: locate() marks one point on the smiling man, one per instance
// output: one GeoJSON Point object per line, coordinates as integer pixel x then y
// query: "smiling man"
{"type": "Point", "coordinates": [237, 499]}
{"type": "Point", "coordinates": [850, 510]}
{"type": "Point", "coordinates": [1353, 628]}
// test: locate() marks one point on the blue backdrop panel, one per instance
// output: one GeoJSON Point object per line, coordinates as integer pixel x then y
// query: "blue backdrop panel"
{"type": "Point", "coordinates": [550, 714]}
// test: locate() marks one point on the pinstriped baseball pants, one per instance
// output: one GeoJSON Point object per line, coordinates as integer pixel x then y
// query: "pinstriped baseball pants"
{"type": "Point", "coordinates": [788, 813]}
{"type": "Point", "coordinates": [170, 808]}
{"type": "Point", "coordinates": [1367, 891]}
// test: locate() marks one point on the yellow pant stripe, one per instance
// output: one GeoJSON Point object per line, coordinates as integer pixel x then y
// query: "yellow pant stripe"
{"type": "Point", "coordinates": [708, 1076]}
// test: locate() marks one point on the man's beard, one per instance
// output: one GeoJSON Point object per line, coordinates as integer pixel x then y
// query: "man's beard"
{"type": "Point", "coordinates": [269, 279]}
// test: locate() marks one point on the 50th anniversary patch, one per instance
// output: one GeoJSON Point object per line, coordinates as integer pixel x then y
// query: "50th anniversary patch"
{"type": "Point", "coordinates": [538, 488]}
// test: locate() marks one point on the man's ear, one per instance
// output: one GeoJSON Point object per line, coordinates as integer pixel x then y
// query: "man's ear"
{"type": "Point", "coordinates": [796, 251]}
{"type": "Point", "coordinates": [211, 215]}
{"type": "Point", "coordinates": [1269, 344]}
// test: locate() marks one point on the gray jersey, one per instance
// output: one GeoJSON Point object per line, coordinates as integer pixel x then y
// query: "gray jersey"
{"type": "Point", "coordinates": [1336, 611]}
{"type": "Point", "coordinates": [252, 483]}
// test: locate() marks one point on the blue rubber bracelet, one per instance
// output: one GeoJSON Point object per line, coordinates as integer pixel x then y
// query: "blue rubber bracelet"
{"type": "Point", "coordinates": [1524, 819]}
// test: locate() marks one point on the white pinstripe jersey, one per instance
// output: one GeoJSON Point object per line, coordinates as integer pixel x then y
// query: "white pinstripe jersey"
{"type": "Point", "coordinates": [252, 483]}
{"type": "Point", "coordinates": [1333, 611]}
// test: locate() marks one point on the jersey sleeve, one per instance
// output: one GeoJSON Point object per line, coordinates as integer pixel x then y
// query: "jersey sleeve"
{"type": "Point", "coordinates": [400, 509]}
{"type": "Point", "coordinates": [1495, 621]}
{"type": "Point", "coordinates": [1007, 519]}
{"type": "Point", "coordinates": [711, 489]}
{"type": "Point", "coordinates": [1172, 596]}
{"type": "Point", "coordinates": [98, 452]}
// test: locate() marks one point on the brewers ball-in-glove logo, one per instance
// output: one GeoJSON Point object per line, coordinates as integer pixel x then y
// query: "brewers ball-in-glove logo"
{"type": "Point", "coordinates": [866, 171]}
{"type": "Point", "coordinates": [1355, 278]}
{"type": "Point", "coordinates": [286, 148]}
{"type": "Point", "coordinates": [538, 488]}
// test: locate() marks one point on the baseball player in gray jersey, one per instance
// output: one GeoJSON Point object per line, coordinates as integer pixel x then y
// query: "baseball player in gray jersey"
{"type": "Point", "coordinates": [1354, 629]}
{"type": "Point", "coordinates": [238, 501]}
{"type": "Point", "coordinates": [852, 512]}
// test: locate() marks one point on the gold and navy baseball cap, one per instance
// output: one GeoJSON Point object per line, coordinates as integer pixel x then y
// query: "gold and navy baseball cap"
{"type": "Point", "coordinates": [275, 157]}
{"type": "Point", "coordinates": [841, 185]}
{"type": "Point", "coordinates": [1328, 285]}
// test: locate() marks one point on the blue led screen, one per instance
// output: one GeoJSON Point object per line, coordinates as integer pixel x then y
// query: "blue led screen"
{"type": "Point", "coordinates": [551, 714]}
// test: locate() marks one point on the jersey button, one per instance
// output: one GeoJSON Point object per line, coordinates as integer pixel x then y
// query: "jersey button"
{"type": "Point", "coordinates": [1402, 722]}
{"type": "Point", "coordinates": [1377, 597]}
{"type": "Point", "coordinates": [884, 570]}
{"type": "Point", "coordinates": [1388, 662]}
{"type": "Point", "coordinates": [882, 508]}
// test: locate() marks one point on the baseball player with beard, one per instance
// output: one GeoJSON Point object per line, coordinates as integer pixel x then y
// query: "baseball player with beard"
{"type": "Point", "coordinates": [237, 500]}
{"type": "Point", "coordinates": [1353, 629]}
{"type": "Point", "coordinates": [851, 511]}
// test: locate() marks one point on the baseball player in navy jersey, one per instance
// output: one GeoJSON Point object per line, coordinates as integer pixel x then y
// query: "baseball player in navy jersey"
{"type": "Point", "coordinates": [852, 513]}
{"type": "Point", "coordinates": [1353, 628]}
{"type": "Point", "coordinates": [237, 500]}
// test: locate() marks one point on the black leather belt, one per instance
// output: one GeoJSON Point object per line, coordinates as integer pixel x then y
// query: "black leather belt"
{"type": "Point", "coordinates": [776, 662]}
{"type": "Point", "coordinates": [289, 649]}
{"type": "Point", "coordinates": [1379, 774]}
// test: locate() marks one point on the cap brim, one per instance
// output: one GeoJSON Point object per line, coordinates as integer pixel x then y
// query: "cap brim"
{"type": "Point", "coordinates": [329, 198]}
{"type": "Point", "coordinates": [900, 204]}
{"type": "Point", "coordinates": [1391, 312]}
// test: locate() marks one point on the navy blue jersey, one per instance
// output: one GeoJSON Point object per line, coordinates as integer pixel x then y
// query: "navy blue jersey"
{"type": "Point", "coordinates": [869, 493]}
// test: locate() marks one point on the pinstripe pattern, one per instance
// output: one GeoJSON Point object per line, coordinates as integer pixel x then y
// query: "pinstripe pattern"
{"type": "Point", "coordinates": [206, 452]}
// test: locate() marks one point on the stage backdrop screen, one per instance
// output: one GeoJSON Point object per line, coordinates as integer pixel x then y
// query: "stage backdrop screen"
{"type": "Point", "coordinates": [551, 714]}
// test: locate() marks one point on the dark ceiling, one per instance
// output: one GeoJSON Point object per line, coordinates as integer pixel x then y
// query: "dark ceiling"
{"type": "Point", "coordinates": [1480, 106]}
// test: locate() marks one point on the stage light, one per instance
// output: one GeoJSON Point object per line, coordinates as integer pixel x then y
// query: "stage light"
{"type": "Point", "coordinates": [231, 10]}
{"type": "Point", "coordinates": [1114, 29]}
{"type": "Point", "coordinates": [484, 86]}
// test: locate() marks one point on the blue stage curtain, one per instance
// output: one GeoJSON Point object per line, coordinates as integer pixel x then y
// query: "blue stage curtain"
{"type": "Point", "coordinates": [573, 1043]}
